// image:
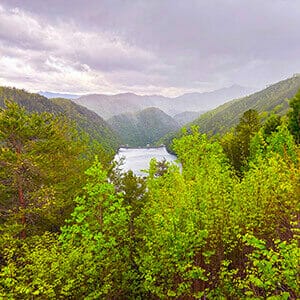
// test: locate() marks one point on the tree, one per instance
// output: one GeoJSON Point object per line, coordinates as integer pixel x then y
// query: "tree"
{"type": "Point", "coordinates": [294, 117]}
{"type": "Point", "coordinates": [39, 157]}
{"type": "Point", "coordinates": [237, 144]}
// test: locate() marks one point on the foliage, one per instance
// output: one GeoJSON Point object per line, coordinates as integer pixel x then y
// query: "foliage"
{"type": "Point", "coordinates": [192, 232]}
{"type": "Point", "coordinates": [236, 144]}
{"type": "Point", "coordinates": [221, 119]}
{"type": "Point", "coordinates": [144, 127]}
{"type": "Point", "coordinates": [294, 117]}
{"type": "Point", "coordinates": [39, 156]}
{"type": "Point", "coordinates": [85, 120]}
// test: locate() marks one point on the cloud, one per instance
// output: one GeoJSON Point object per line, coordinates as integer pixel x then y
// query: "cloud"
{"type": "Point", "coordinates": [148, 46]}
{"type": "Point", "coordinates": [63, 57]}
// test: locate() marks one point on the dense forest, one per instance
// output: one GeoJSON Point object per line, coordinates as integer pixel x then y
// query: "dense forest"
{"type": "Point", "coordinates": [225, 117]}
{"type": "Point", "coordinates": [86, 121]}
{"type": "Point", "coordinates": [144, 127]}
{"type": "Point", "coordinates": [225, 226]}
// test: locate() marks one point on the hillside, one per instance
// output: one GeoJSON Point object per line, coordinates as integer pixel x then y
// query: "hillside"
{"type": "Point", "coordinates": [227, 115]}
{"type": "Point", "coordinates": [85, 119]}
{"type": "Point", "coordinates": [144, 127]}
{"type": "Point", "coordinates": [187, 117]}
{"type": "Point", "coordinates": [224, 117]}
{"type": "Point", "coordinates": [110, 105]}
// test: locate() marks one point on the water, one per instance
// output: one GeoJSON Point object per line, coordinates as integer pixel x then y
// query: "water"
{"type": "Point", "coordinates": [138, 159]}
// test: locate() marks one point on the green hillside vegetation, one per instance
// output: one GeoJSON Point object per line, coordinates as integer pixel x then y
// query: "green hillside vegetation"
{"type": "Point", "coordinates": [274, 97]}
{"type": "Point", "coordinates": [199, 232]}
{"type": "Point", "coordinates": [144, 127]}
{"type": "Point", "coordinates": [226, 116]}
{"type": "Point", "coordinates": [187, 117]}
{"type": "Point", "coordinates": [42, 164]}
{"type": "Point", "coordinates": [86, 120]}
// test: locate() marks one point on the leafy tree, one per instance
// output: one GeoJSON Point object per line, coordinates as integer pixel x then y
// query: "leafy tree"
{"type": "Point", "coordinates": [294, 117]}
{"type": "Point", "coordinates": [237, 144]}
{"type": "Point", "coordinates": [271, 124]}
{"type": "Point", "coordinates": [39, 157]}
{"type": "Point", "coordinates": [98, 229]}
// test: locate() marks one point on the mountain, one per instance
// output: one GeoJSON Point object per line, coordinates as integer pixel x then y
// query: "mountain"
{"type": "Point", "coordinates": [50, 95]}
{"type": "Point", "coordinates": [85, 119]}
{"type": "Point", "coordinates": [111, 105]}
{"type": "Point", "coordinates": [187, 117]}
{"type": "Point", "coordinates": [144, 127]}
{"type": "Point", "coordinates": [209, 100]}
{"type": "Point", "coordinates": [224, 117]}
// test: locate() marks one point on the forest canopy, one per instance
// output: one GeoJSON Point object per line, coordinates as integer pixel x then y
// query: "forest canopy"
{"type": "Point", "coordinates": [226, 226]}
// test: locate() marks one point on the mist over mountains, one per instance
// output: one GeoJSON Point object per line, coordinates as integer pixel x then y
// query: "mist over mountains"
{"type": "Point", "coordinates": [144, 127]}
{"type": "Point", "coordinates": [111, 105]}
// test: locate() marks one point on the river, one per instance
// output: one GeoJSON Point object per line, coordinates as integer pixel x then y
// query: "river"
{"type": "Point", "coordinates": [138, 159]}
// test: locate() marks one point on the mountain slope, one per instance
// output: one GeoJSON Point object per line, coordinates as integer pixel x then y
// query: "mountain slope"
{"type": "Point", "coordinates": [224, 117]}
{"type": "Point", "coordinates": [110, 105]}
{"type": "Point", "coordinates": [227, 115]}
{"type": "Point", "coordinates": [187, 117]}
{"type": "Point", "coordinates": [85, 119]}
{"type": "Point", "coordinates": [144, 127]}
{"type": "Point", "coordinates": [209, 100]}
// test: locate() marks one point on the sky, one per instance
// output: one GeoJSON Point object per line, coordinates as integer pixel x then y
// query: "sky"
{"type": "Point", "coordinates": [166, 47]}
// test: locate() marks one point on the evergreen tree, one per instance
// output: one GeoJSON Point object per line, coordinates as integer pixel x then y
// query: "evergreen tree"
{"type": "Point", "coordinates": [40, 169]}
{"type": "Point", "coordinates": [294, 117]}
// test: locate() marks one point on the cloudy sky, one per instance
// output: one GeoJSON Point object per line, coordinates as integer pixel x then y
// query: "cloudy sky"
{"type": "Point", "coordinates": [147, 46]}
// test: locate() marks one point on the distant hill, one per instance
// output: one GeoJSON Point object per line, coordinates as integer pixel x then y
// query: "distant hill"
{"type": "Point", "coordinates": [144, 127]}
{"type": "Point", "coordinates": [111, 105]}
{"type": "Point", "coordinates": [50, 95]}
{"type": "Point", "coordinates": [187, 117]}
{"type": "Point", "coordinates": [85, 119]}
{"type": "Point", "coordinates": [209, 100]}
{"type": "Point", "coordinates": [224, 117]}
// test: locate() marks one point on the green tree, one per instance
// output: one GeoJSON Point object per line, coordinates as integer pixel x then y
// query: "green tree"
{"type": "Point", "coordinates": [237, 144]}
{"type": "Point", "coordinates": [294, 117]}
{"type": "Point", "coordinates": [98, 229]}
{"type": "Point", "coordinates": [39, 157]}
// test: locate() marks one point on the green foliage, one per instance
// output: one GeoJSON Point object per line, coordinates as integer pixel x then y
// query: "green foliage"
{"type": "Point", "coordinates": [194, 232]}
{"type": "Point", "coordinates": [86, 121]}
{"type": "Point", "coordinates": [270, 272]}
{"type": "Point", "coordinates": [221, 119]}
{"type": "Point", "coordinates": [236, 144]}
{"type": "Point", "coordinates": [99, 229]}
{"type": "Point", "coordinates": [294, 117]}
{"type": "Point", "coordinates": [39, 155]}
{"type": "Point", "coordinates": [143, 128]}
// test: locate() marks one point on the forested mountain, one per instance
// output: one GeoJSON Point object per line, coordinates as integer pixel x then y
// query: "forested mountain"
{"type": "Point", "coordinates": [85, 119]}
{"type": "Point", "coordinates": [111, 105]}
{"type": "Point", "coordinates": [224, 117]}
{"type": "Point", "coordinates": [227, 115]}
{"type": "Point", "coordinates": [144, 127]}
{"type": "Point", "coordinates": [187, 117]}
{"type": "Point", "coordinates": [201, 231]}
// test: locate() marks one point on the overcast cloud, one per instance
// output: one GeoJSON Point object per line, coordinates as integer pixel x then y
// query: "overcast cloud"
{"type": "Point", "coordinates": [149, 46]}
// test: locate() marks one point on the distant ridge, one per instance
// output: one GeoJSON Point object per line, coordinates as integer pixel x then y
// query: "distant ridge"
{"type": "Point", "coordinates": [227, 115]}
{"type": "Point", "coordinates": [224, 117]}
{"type": "Point", "coordinates": [110, 105]}
{"type": "Point", "coordinates": [85, 119]}
{"type": "Point", "coordinates": [144, 127]}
